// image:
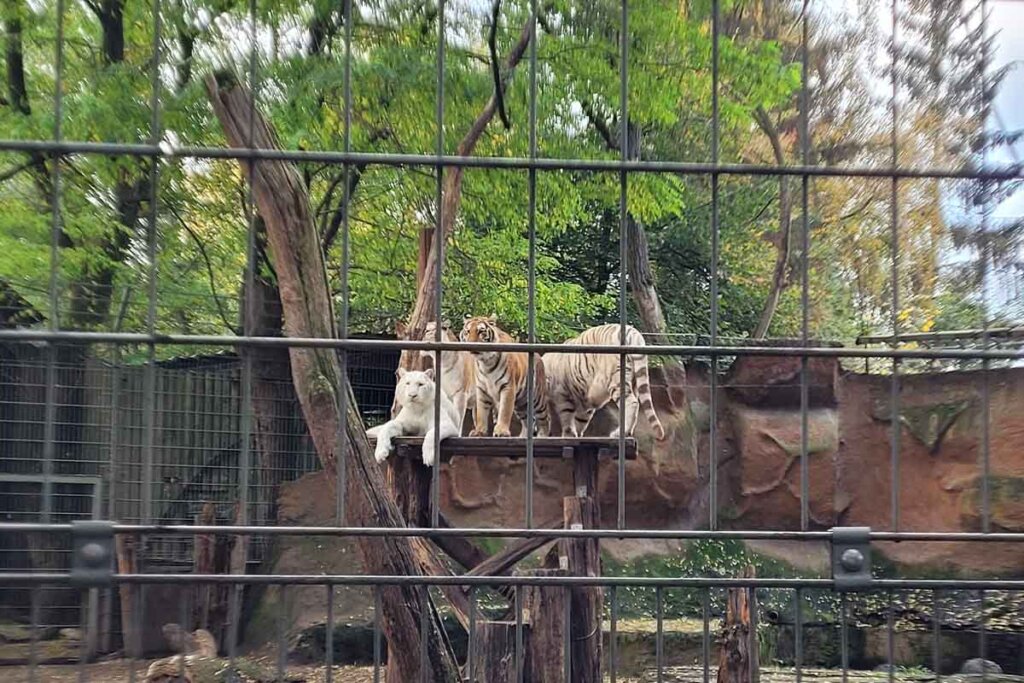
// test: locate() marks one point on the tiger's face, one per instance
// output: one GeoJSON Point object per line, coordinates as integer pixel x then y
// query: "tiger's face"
{"type": "Point", "coordinates": [429, 335]}
{"type": "Point", "coordinates": [479, 329]}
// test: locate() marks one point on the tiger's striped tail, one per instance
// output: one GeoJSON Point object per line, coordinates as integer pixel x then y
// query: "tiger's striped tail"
{"type": "Point", "coordinates": [642, 384]}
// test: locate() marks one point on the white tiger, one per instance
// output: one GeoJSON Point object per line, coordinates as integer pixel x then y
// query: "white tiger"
{"type": "Point", "coordinates": [458, 372]}
{"type": "Point", "coordinates": [414, 395]}
{"type": "Point", "coordinates": [580, 384]}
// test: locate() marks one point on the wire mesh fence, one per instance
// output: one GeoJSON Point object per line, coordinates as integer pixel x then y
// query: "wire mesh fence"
{"type": "Point", "coordinates": [213, 439]}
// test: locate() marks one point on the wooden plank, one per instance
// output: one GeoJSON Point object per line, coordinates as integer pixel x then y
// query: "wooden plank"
{"type": "Point", "coordinates": [515, 448]}
{"type": "Point", "coordinates": [544, 611]}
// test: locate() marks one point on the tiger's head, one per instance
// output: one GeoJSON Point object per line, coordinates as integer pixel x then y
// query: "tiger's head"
{"type": "Point", "coordinates": [415, 387]}
{"type": "Point", "coordinates": [480, 329]}
{"type": "Point", "coordinates": [429, 333]}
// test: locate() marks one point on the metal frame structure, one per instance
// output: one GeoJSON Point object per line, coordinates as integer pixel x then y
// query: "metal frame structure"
{"type": "Point", "coordinates": [534, 164]}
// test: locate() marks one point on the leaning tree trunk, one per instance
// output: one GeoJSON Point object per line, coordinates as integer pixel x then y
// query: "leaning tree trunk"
{"type": "Point", "coordinates": [302, 282]}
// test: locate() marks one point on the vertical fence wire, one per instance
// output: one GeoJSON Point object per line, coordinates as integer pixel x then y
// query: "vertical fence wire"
{"type": "Point", "coordinates": [805, 245]}
{"type": "Point", "coordinates": [986, 389]}
{"type": "Point", "coordinates": [894, 238]}
{"type": "Point", "coordinates": [531, 267]}
{"type": "Point", "coordinates": [343, 322]}
{"type": "Point", "coordinates": [625, 142]}
{"type": "Point", "coordinates": [439, 244]}
{"type": "Point", "coordinates": [715, 249]}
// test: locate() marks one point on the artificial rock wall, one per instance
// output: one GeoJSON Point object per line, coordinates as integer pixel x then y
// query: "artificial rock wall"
{"type": "Point", "coordinates": [849, 435]}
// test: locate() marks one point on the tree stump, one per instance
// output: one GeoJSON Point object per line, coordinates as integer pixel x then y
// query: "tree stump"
{"type": "Point", "coordinates": [738, 658]}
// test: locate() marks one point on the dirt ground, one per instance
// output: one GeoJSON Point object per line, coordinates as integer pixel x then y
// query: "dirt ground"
{"type": "Point", "coordinates": [119, 671]}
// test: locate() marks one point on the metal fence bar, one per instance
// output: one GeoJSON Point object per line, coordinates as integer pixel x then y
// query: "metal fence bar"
{"type": "Point", "coordinates": [805, 247]}
{"type": "Point", "coordinates": [715, 258]}
{"type": "Point", "coordinates": [343, 331]}
{"type": "Point", "coordinates": [57, 579]}
{"type": "Point", "coordinates": [894, 237]}
{"type": "Point", "coordinates": [531, 268]}
{"type": "Point", "coordinates": [439, 245]}
{"type": "Point", "coordinates": [138, 339]}
{"type": "Point", "coordinates": [509, 532]}
{"type": "Point", "coordinates": [624, 145]}
{"type": "Point", "coordinates": [1008, 172]}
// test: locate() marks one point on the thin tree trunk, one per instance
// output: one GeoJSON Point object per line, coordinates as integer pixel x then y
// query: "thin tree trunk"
{"type": "Point", "coordinates": [644, 290]}
{"type": "Point", "coordinates": [451, 195]}
{"type": "Point", "coordinates": [783, 243]}
{"type": "Point", "coordinates": [302, 281]}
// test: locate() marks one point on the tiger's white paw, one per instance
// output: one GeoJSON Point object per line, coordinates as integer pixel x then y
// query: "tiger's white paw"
{"type": "Point", "coordinates": [428, 453]}
{"type": "Point", "coordinates": [382, 452]}
{"type": "Point", "coordinates": [501, 431]}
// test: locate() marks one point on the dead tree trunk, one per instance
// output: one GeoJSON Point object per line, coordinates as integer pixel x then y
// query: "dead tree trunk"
{"type": "Point", "coordinates": [302, 281]}
{"type": "Point", "coordinates": [644, 289]}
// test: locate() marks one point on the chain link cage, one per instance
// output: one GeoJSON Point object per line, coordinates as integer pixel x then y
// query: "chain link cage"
{"type": "Point", "coordinates": [156, 472]}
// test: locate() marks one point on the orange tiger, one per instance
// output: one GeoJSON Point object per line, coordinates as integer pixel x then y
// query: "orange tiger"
{"type": "Point", "coordinates": [580, 384]}
{"type": "Point", "coordinates": [501, 380]}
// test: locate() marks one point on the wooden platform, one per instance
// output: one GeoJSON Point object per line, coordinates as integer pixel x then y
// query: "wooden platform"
{"type": "Point", "coordinates": [515, 448]}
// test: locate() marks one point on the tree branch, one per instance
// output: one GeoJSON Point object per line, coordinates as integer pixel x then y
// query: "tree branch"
{"type": "Point", "coordinates": [11, 172]}
{"type": "Point", "coordinates": [492, 44]}
{"type": "Point", "coordinates": [783, 244]}
{"type": "Point", "coordinates": [423, 310]}
{"type": "Point", "coordinates": [601, 126]}
{"type": "Point", "coordinates": [338, 217]}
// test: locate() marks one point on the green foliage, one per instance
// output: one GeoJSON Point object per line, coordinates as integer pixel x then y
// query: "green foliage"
{"type": "Point", "coordinates": [203, 212]}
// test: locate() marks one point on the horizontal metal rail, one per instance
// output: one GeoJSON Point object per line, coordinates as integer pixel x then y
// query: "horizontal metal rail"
{"type": "Point", "coordinates": [140, 338]}
{"type": "Point", "coordinates": [480, 532]}
{"type": "Point", "coordinates": [994, 334]}
{"type": "Point", "coordinates": [33, 578]}
{"type": "Point", "coordinates": [1011, 172]}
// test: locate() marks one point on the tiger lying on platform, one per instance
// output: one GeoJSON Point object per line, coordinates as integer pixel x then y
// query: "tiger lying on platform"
{"type": "Point", "coordinates": [501, 379]}
{"type": "Point", "coordinates": [415, 397]}
{"type": "Point", "coordinates": [580, 384]}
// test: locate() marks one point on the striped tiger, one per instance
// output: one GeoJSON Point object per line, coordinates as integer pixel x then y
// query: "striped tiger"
{"type": "Point", "coordinates": [501, 380]}
{"type": "Point", "coordinates": [580, 384]}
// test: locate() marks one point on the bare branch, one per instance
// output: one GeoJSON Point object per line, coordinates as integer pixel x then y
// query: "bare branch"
{"type": "Point", "coordinates": [492, 43]}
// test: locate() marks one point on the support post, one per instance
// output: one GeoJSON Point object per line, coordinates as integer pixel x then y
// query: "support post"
{"type": "Point", "coordinates": [581, 557]}
{"type": "Point", "coordinates": [738, 658]}
{"type": "Point", "coordinates": [495, 652]}
{"type": "Point", "coordinates": [544, 611]}
{"type": "Point", "coordinates": [127, 563]}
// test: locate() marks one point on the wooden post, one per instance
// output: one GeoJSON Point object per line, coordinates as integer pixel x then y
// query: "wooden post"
{"type": "Point", "coordinates": [124, 549]}
{"type": "Point", "coordinates": [494, 652]}
{"type": "Point", "coordinates": [738, 658]}
{"type": "Point", "coordinates": [582, 558]}
{"type": "Point", "coordinates": [544, 611]}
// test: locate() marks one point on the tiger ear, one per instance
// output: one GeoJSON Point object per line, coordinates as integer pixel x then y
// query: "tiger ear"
{"type": "Point", "coordinates": [429, 372]}
{"type": "Point", "coordinates": [493, 319]}
{"type": "Point", "coordinates": [446, 325]}
{"type": "Point", "coordinates": [401, 372]}
{"type": "Point", "coordinates": [401, 329]}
